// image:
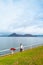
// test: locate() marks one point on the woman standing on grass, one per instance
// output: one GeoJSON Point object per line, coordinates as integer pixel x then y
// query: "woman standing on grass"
{"type": "Point", "coordinates": [21, 47]}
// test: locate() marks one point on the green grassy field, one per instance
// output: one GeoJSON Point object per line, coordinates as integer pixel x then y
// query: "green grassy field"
{"type": "Point", "coordinates": [28, 57]}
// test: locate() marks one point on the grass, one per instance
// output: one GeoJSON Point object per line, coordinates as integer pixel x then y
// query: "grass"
{"type": "Point", "coordinates": [28, 57]}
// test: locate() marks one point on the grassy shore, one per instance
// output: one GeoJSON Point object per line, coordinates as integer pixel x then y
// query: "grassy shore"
{"type": "Point", "coordinates": [28, 57]}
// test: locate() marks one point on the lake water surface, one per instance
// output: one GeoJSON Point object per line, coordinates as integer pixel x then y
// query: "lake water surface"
{"type": "Point", "coordinates": [9, 42]}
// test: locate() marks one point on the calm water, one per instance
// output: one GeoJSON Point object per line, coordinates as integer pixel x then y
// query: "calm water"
{"type": "Point", "coordinates": [8, 42]}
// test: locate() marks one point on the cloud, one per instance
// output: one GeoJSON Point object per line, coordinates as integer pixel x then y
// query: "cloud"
{"type": "Point", "coordinates": [9, 14]}
{"type": "Point", "coordinates": [21, 16]}
{"type": "Point", "coordinates": [28, 30]}
{"type": "Point", "coordinates": [34, 30]}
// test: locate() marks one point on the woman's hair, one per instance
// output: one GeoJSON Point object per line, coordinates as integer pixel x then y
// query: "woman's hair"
{"type": "Point", "coordinates": [20, 43]}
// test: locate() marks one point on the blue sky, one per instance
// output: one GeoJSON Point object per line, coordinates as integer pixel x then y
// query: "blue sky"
{"type": "Point", "coordinates": [21, 16]}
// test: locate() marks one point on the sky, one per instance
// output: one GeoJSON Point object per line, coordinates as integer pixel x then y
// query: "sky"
{"type": "Point", "coordinates": [21, 16]}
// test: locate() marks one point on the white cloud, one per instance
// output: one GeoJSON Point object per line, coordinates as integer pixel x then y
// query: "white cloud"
{"type": "Point", "coordinates": [9, 14]}
{"type": "Point", "coordinates": [30, 30]}
{"type": "Point", "coordinates": [21, 16]}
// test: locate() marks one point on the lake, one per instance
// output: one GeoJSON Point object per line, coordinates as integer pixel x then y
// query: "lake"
{"type": "Point", "coordinates": [9, 42]}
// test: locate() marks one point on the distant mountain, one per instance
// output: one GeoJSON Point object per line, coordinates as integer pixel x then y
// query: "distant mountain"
{"type": "Point", "coordinates": [4, 35]}
{"type": "Point", "coordinates": [20, 35]}
{"type": "Point", "coordinates": [25, 35]}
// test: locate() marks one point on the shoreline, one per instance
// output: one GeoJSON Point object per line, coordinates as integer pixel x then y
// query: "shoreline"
{"type": "Point", "coordinates": [28, 47]}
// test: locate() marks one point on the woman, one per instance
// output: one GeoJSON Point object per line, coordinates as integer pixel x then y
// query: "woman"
{"type": "Point", "coordinates": [21, 47]}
